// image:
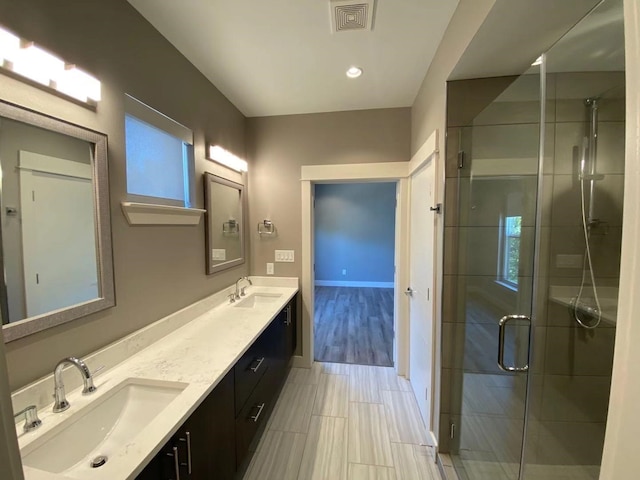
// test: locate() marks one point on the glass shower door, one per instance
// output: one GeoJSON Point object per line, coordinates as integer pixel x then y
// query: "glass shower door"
{"type": "Point", "coordinates": [578, 267]}
{"type": "Point", "coordinates": [491, 237]}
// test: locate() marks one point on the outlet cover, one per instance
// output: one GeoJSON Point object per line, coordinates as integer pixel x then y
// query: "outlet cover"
{"type": "Point", "coordinates": [284, 256]}
{"type": "Point", "coordinates": [270, 270]}
{"type": "Point", "coordinates": [218, 254]}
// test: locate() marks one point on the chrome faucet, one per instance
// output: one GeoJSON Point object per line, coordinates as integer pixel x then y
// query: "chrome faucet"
{"type": "Point", "coordinates": [31, 420]}
{"type": "Point", "coordinates": [61, 403]}
{"type": "Point", "coordinates": [238, 292]}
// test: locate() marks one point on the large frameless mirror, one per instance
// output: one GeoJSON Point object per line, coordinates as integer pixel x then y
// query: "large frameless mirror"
{"type": "Point", "coordinates": [225, 227]}
{"type": "Point", "coordinates": [55, 230]}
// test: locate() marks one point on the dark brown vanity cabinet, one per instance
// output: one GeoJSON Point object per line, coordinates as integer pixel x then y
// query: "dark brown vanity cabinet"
{"type": "Point", "coordinates": [291, 332]}
{"type": "Point", "coordinates": [220, 437]}
{"type": "Point", "coordinates": [203, 447]}
{"type": "Point", "coordinates": [276, 346]}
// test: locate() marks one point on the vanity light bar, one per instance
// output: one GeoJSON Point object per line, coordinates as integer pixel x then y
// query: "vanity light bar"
{"type": "Point", "coordinates": [30, 61]}
{"type": "Point", "coordinates": [226, 158]}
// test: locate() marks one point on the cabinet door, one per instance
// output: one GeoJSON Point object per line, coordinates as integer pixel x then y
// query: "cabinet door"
{"type": "Point", "coordinates": [210, 434]}
{"type": "Point", "coordinates": [153, 470]}
{"type": "Point", "coordinates": [252, 419]}
{"type": "Point", "coordinates": [204, 446]}
{"type": "Point", "coordinates": [250, 368]}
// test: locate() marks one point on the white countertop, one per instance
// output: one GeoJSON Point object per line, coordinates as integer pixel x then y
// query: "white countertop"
{"type": "Point", "coordinates": [199, 354]}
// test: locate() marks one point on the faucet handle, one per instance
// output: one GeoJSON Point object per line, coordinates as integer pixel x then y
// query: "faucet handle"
{"type": "Point", "coordinates": [89, 387]}
{"type": "Point", "coordinates": [232, 298]}
{"type": "Point", "coordinates": [87, 378]}
{"type": "Point", "coordinates": [31, 420]}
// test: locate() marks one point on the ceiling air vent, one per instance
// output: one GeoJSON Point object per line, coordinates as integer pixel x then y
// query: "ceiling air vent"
{"type": "Point", "coordinates": [351, 15]}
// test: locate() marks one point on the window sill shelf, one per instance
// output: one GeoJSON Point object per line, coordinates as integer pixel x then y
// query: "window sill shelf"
{"type": "Point", "coordinates": [150, 214]}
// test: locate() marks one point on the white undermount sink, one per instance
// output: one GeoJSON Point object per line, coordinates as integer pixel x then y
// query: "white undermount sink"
{"type": "Point", "coordinates": [101, 428]}
{"type": "Point", "coordinates": [258, 299]}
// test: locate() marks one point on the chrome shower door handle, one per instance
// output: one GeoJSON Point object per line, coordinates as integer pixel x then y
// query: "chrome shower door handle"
{"type": "Point", "coordinates": [503, 324]}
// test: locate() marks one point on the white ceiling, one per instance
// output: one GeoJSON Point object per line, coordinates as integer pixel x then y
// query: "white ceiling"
{"type": "Point", "coordinates": [278, 57]}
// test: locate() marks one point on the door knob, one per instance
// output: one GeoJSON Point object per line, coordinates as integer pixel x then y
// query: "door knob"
{"type": "Point", "coordinates": [409, 291]}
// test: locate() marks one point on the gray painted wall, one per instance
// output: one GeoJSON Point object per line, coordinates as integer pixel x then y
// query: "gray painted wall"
{"type": "Point", "coordinates": [158, 269]}
{"type": "Point", "coordinates": [355, 231]}
{"type": "Point", "coordinates": [279, 146]}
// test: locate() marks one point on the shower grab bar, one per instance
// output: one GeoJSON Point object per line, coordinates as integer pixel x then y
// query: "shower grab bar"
{"type": "Point", "coordinates": [503, 323]}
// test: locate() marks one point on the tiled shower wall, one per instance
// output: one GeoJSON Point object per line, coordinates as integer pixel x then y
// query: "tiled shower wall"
{"type": "Point", "coordinates": [495, 122]}
{"type": "Point", "coordinates": [572, 374]}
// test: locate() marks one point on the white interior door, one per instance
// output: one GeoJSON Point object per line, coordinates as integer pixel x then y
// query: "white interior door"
{"type": "Point", "coordinates": [420, 289]}
{"type": "Point", "coordinates": [58, 233]}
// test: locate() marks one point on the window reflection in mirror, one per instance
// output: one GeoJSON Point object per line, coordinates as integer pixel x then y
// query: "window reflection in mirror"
{"type": "Point", "coordinates": [225, 228]}
{"type": "Point", "coordinates": [55, 227]}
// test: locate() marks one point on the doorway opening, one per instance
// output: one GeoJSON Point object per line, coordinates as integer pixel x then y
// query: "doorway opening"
{"type": "Point", "coordinates": [354, 274]}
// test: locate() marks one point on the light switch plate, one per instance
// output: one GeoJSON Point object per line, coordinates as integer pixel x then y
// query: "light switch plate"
{"type": "Point", "coordinates": [284, 256]}
{"type": "Point", "coordinates": [270, 270]}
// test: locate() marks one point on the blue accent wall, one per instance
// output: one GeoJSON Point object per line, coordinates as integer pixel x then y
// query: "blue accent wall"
{"type": "Point", "coordinates": [355, 230]}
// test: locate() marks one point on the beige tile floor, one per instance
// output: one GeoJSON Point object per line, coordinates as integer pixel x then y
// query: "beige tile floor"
{"type": "Point", "coordinates": [344, 422]}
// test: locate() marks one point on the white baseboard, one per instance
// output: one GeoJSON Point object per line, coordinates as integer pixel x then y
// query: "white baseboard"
{"type": "Point", "coordinates": [298, 361]}
{"type": "Point", "coordinates": [339, 283]}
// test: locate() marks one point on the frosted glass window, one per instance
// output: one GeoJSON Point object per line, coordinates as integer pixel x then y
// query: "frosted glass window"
{"type": "Point", "coordinates": [157, 162]}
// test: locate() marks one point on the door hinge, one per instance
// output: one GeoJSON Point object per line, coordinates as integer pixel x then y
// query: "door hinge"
{"type": "Point", "coordinates": [37, 279]}
{"type": "Point", "coordinates": [33, 195]}
{"type": "Point", "coordinates": [461, 159]}
{"type": "Point", "coordinates": [428, 295]}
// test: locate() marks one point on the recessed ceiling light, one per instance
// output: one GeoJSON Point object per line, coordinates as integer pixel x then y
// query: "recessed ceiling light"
{"type": "Point", "coordinates": [354, 72]}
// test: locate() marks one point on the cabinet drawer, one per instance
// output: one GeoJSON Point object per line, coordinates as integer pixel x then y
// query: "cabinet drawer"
{"type": "Point", "coordinates": [252, 418]}
{"type": "Point", "coordinates": [249, 370]}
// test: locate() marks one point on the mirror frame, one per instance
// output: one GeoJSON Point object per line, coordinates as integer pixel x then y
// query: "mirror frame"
{"type": "Point", "coordinates": [102, 211]}
{"type": "Point", "coordinates": [209, 180]}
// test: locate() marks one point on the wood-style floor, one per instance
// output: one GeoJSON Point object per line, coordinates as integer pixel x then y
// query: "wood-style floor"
{"type": "Point", "coordinates": [344, 422]}
{"type": "Point", "coordinates": [354, 325]}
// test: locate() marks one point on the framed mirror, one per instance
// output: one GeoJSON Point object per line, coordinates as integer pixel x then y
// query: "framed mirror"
{"type": "Point", "coordinates": [55, 229]}
{"type": "Point", "coordinates": [224, 225]}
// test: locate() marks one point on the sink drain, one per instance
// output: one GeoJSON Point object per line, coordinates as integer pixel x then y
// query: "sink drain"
{"type": "Point", "coordinates": [98, 461]}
